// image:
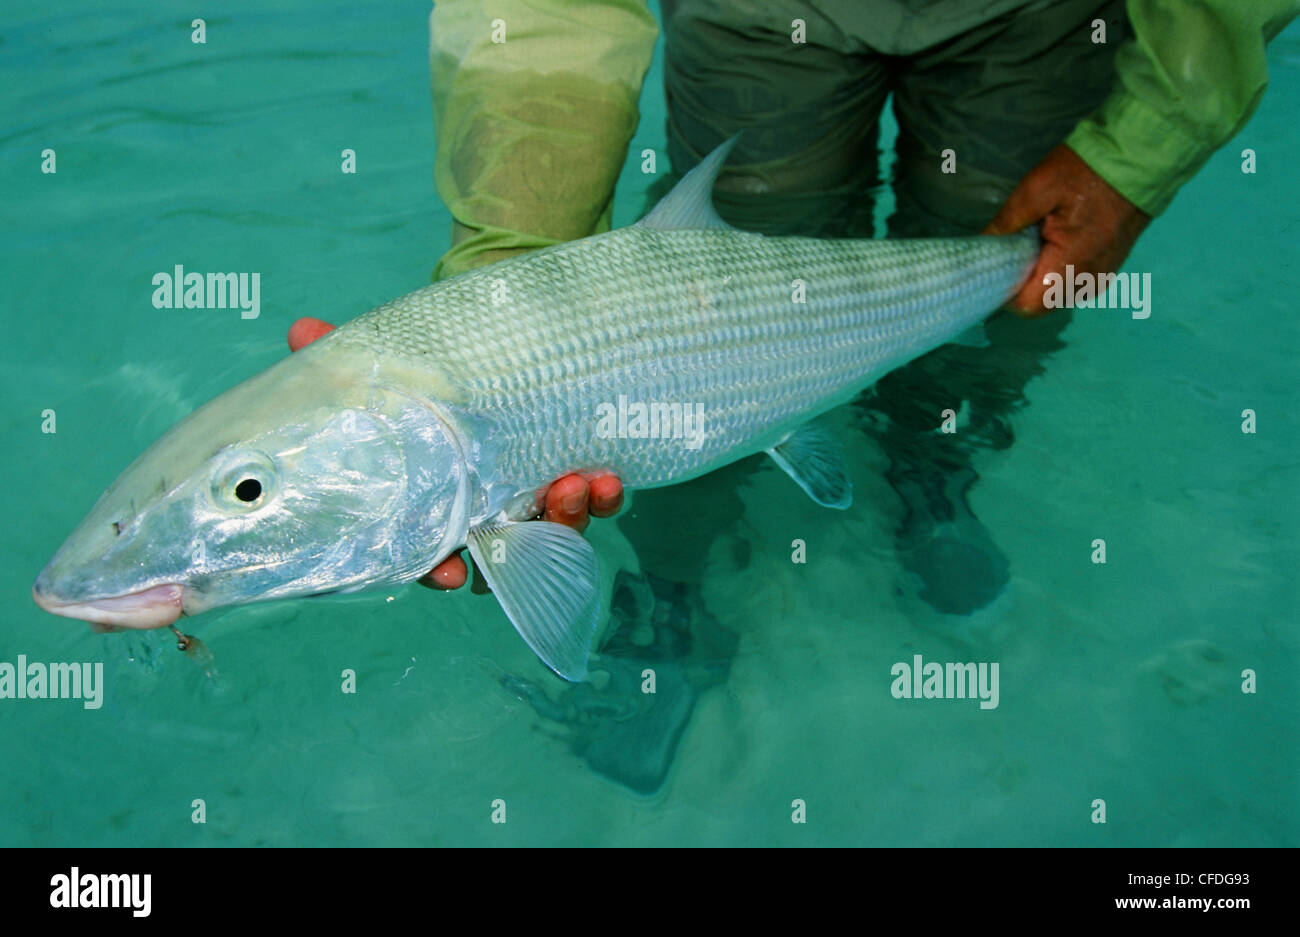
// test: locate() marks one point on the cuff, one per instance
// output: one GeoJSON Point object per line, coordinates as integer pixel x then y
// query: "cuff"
{"type": "Point", "coordinates": [1142, 154]}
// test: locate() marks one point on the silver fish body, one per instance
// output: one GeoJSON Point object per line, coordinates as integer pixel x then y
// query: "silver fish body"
{"type": "Point", "coordinates": [760, 334]}
{"type": "Point", "coordinates": [658, 352]}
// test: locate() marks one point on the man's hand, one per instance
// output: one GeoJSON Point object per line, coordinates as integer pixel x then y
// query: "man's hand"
{"type": "Point", "coordinates": [1085, 223]}
{"type": "Point", "coordinates": [570, 500]}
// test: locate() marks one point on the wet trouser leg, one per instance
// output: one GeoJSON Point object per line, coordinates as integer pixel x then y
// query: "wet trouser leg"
{"type": "Point", "coordinates": [999, 97]}
{"type": "Point", "coordinates": [999, 94]}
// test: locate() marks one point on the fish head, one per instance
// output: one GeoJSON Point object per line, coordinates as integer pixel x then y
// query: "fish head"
{"type": "Point", "coordinates": [311, 477]}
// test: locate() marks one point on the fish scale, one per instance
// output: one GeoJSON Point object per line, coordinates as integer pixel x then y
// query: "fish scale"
{"type": "Point", "coordinates": [689, 317]}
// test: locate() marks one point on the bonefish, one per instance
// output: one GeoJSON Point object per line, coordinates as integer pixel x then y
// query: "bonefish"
{"type": "Point", "coordinates": [427, 424]}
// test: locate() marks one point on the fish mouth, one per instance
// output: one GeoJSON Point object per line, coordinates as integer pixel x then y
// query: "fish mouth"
{"type": "Point", "coordinates": [150, 608]}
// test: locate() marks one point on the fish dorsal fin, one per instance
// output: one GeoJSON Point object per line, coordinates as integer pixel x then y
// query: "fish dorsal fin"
{"type": "Point", "coordinates": [545, 577]}
{"type": "Point", "coordinates": [690, 203]}
{"type": "Point", "coordinates": [811, 456]}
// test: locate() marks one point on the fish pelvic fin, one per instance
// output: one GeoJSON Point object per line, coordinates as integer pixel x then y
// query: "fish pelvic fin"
{"type": "Point", "coordinates": [545, 576]}
{"type": "Point", "coordinates": [812, 456]}
{"type": "Point", "coordinates": [690, 203]}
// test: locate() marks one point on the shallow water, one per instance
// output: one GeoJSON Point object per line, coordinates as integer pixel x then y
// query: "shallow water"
{"type": "Point", "coordinates": [1119, 681]}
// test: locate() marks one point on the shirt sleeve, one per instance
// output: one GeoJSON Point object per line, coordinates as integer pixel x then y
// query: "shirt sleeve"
{"type": "Point", "coordinates": [534, 104]}
{"type": "Point", "coordinates": [1189, 79]}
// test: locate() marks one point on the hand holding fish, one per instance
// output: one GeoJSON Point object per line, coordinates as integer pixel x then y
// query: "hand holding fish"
{"type": "Point", "coordinates": [569, 500]}
{"type": "Point", "coordinates": [1085, 223]}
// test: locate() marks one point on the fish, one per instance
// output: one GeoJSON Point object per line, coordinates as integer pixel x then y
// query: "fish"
{"type": "Point", "coordinates": [659, 352]}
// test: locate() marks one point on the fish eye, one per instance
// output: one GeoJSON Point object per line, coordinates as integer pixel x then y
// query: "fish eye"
{"type": "Point", "coordinates": [249, 490]}
{"type": "Point", "coordinates": [243, 480]}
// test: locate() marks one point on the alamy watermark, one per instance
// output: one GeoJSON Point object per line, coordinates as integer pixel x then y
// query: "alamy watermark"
{"type": "Point", "coordinates": [932, 680]}
{"type": "Point", "coordinates": [181, 290]}
{"type": "Point", "coordinates": [1099, 291]}
{"type": "Point", "coordinates": [651, 420]}
{"type": "Point", "coordinates": [83, 681]}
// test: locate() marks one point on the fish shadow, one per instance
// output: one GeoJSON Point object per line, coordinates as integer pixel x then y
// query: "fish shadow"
{"type": "Point", "coordinates": [627, 720]}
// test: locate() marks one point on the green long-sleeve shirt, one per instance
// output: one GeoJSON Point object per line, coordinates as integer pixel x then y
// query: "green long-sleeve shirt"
{"type": "Point", "coordinates": [1188, 81]}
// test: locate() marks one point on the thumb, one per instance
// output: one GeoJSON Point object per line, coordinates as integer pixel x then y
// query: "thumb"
{"type": "Point", "coordinates": [1029, 202]}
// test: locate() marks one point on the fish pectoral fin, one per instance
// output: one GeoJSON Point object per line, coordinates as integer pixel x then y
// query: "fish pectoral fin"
{"type": "Point", "coordinates": [811, 455]}
{"type": "Point", "coordinates": [545, 577]}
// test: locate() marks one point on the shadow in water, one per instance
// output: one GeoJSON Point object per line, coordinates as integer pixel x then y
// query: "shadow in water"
{"type": "Point", "coordinates": [626, 721]}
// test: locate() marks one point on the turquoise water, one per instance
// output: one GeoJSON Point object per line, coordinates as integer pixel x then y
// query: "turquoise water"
{"type": "Point", "coordinates": [1119, 681]}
